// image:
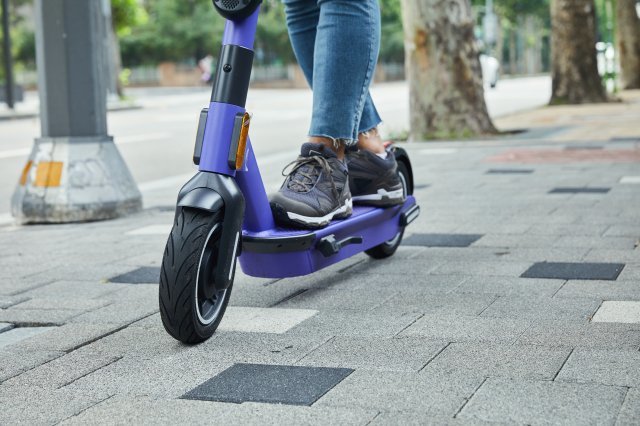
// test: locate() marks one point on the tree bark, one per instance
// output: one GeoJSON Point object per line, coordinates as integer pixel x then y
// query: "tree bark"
{"type": "Point", "coordinates": [628, 43]}
{"type": "Point", "coordinates": [443, 68]}
{"type": "Point", "coordinates": [573, 44]}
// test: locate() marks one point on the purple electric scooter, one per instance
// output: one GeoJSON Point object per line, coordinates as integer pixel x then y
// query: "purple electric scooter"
{"type": "Point", "coordinates": [223, 212]}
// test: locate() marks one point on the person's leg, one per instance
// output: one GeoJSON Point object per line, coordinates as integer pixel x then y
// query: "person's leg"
{"type": "Point", "coordinates": [302, 22]}
{"type": "Point", "coordinates": [368, 137]}
{"type": "Point", "coordinates": [345, 56]}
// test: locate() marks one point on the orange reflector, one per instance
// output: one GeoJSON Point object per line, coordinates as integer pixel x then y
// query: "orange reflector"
{"type": "Point", "coordinates": [48, 174]}
{"type": "Point", "coordinates": [242, 141]}
{"type": "Point", "coordinates": [25, 173]}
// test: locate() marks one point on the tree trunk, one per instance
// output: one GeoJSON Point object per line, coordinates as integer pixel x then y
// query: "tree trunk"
{"type": "Point", "coordinates": [628, 43]}
{"type": "Point", "coordinates": [573, 40]}
{"type": "Point", "coordinates": [443, 68]}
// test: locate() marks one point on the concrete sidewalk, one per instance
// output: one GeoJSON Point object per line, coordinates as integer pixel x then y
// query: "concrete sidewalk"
{"type": "Point", "coordinates": [514, 299]}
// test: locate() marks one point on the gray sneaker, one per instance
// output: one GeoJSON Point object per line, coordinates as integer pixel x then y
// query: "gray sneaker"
{"type": "Point", "coordinates": [315, 192]}
{"type": "Point", "coordinates": [374, 180]}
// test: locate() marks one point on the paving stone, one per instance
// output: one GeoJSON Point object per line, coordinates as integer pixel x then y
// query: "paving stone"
{"type": "Point", "coordinates": [73, 289]}
{"type": "Point", "coordinates": [66, 338]}
{"type": "Point", "coordinates": [574, 271]}
{"type": "Point", "coordinates": [276, 384]}
{"type": "Point", "coordinates": [543, 402]}
{"type": "Point", "coordinates": [441, 240]}
{"type": "Point", "coordinates": [181, 411]}
{"type": "Point", "coordinates": [399, 391]}
{"type": "Point", "coordinates": [16, 335]}
{"type": "Point", "coordinates": [494, 268]}
{"type": "Point", "coordinates": [404, 354]}
{"type": "Point", "coordinates": [508, 286]}
{"type": "Point", "coordinates": [121, 312]}
{"type": "Point", "coordinates": [630, 179]}
{"type": "Point", "coordinates": [37, 406]}
{"type": "Point", "coordinates": [500, 360]}
{"type": "Point", "coordinates": [338, 299]}
{"type": "Point", "coordinates": [606, 290]}
{"type": "Point", "coordinates": [6, 302]}
{"type": "Point", "coordinates": [14, 362]}
{"type": "Point", "coordinates": [568, 190]}
{"type": "Point", "coordinates": [163, 229]}
{"type": "Point", "coordinates": [509, 171]}
{"type": "Point", "coordinates": [595, 242]}
{"type": "Point", "coordinates": [142, 275]}
{"type": "Point", "coordinates": [57, 303]}
{"type": "Point", "coordinates": [568, 229]}
{"type": "Point", "coordinates": [603, 366]}
{"type": "Point", "coordinates": [61, 371]}
{"type": "Point", "coordinates": [263, 320]}
{"type": "Point", "coordinates": [14, 286]}
{"type": "Point", "coordinates": [630, 411]}
{"type": "Point", "coordinates": [582, 335]}
{"type": "Point", "coordinates": [618, 311]}
{"type": "Point", "coordinates": [4, 326]}
{"type": "Point", "coordinates": [542, 308]}
{"type": "Point", "coordinates": [433, 303]}
{"type": "Point", "coordinates": [459, 328]}
{"type": "Point", "coordinates": [419, 418]}
{"type": "Point", "coordinates": [361, 324]}
{"type": "Point", "coordinates": [30, 317]}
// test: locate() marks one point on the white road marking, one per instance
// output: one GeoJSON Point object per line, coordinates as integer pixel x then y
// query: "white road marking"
{"type": "Point", "coordinates": [618, 311]}
{"type": "Point", "coordinates": [263, 320]}
{"type": "Point", "coordinates": [630, 179]}
{"type": "Point", "coordinates": [151, 230]}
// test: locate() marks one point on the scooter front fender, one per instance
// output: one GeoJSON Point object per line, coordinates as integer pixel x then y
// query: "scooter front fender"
{"type": "Point", "coordinates": [216, 192]}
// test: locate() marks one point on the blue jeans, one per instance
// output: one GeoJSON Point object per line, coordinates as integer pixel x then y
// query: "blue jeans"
{"type": "Point", "coordinates": [336, 43]}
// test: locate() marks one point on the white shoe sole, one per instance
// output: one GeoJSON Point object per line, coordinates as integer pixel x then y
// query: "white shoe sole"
{"type": "Point", "coordinates": [382, 194]}
{"type": "Point", "coordinates": [322, 220]}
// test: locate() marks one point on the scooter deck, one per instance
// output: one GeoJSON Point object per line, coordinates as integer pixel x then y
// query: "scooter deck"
{"type": "Point", "coordinates": [286, 252]}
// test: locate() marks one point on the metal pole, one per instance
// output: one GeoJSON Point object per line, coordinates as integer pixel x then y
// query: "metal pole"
{"type": "Point", "coordinates": [8, 60]}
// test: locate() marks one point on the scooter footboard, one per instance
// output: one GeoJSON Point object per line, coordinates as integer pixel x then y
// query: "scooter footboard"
{"type": "Point", "coordinates": [282, 253]}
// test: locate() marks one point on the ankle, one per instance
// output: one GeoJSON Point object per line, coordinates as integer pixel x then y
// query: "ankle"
{"type": "Point", "coordinates": [371, 141]}
{"type": "Point", "coordinates": [332, 144]}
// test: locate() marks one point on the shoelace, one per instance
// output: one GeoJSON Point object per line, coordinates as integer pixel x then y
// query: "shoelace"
{"type": "Point", "coordinates": [307, 176]}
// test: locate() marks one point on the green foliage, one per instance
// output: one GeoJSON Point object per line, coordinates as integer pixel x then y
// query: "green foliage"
{"type": "Point", "coordinates": [127, 14]}
{"type": "Point", "coordinates": [392, 42]}
{"type": "Point", "coordinates": [23, 45]}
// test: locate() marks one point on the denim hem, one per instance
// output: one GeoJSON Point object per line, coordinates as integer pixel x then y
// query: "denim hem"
{"type": "Point", "coordinates": [336, 141]}
{"type": "Point", "coordinates": [369, 128]}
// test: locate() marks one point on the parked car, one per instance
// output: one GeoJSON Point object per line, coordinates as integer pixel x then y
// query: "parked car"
{"type": "Point", "coordinates": [490, 70]}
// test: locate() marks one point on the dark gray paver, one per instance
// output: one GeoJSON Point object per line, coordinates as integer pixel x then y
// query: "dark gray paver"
{"type": "Point", "coordinates": [142, 275]}
{"type": "Point", "coordinates": [441, 240]}
{"type": "Point", "coordinates": [569, 190]}
{"type": "Point", "coordinates": [574, 270]}
{"type": "Point", "coordinates": [278, 384]}
{"type": "Point", "coordinates": [509, 171]}
{"type": "Point", "coordinates": [544, 402]}
{"type": "Point", "coordinates": [605, 366]}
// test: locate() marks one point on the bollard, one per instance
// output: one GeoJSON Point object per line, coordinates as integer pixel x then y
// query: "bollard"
{"type": "Point", "coordinates": [74, 172]}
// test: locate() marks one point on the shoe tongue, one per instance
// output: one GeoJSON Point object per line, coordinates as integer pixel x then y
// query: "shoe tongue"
{"type": "Point", "coordinates": [310, 149]}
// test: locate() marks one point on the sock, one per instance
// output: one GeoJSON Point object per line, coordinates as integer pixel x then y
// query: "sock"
{"type": "Point", "coordinates": [383, 155]}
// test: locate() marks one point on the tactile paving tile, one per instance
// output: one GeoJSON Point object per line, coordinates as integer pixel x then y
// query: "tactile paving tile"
{"type": "Point", "coordinates": [574, 271]}
{"type": "Point", "coordinates": [441, 240]}
{"type": "Point", "coordinates": [276, 384]}
{"type": "Point", "coordinates": [509, 171]}
{"type": "Point", "coordinates": [142, 275]}
{"type": "Point", "coordinates": [569, 190]}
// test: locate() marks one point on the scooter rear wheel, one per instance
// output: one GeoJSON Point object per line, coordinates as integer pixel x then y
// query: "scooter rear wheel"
{"type": "Point", "coordinates": [388, 248]}
{"type": "Point", "coordinates": [188, 265]}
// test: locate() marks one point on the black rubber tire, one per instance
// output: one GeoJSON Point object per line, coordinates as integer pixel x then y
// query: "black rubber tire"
{"type": "Point", "coordinates": [193, 231]}
{"type": "Point", "coordinates": [387, 249]}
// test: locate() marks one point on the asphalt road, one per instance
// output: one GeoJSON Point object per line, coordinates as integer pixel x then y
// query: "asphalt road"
{"type": "Point", "coordinates": [157, 140]}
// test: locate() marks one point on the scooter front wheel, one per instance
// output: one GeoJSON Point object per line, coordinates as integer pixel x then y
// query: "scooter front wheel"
{"type": "Point", "coordinates": [188, 266]}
